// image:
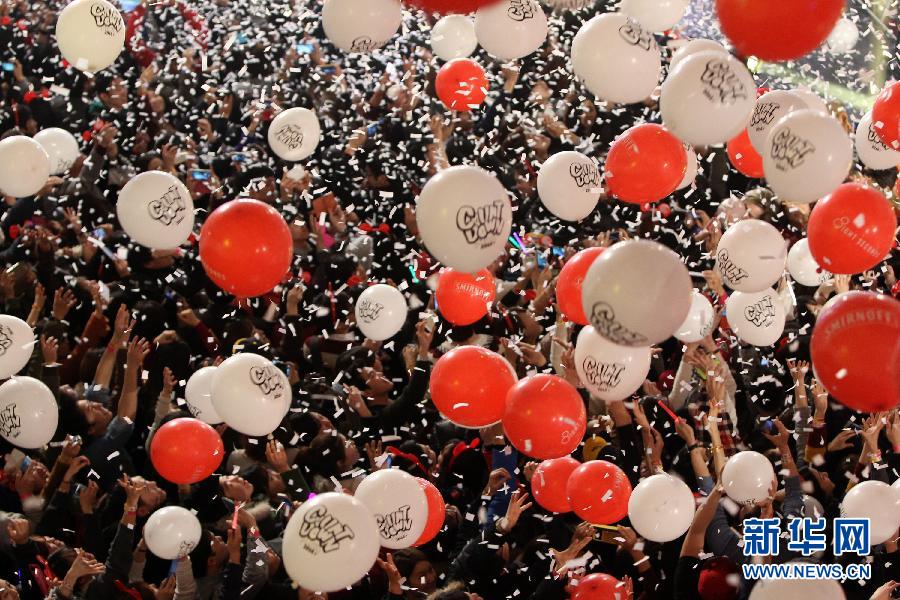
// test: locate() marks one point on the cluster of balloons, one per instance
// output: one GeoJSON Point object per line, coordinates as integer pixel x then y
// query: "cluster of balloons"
{"type": "Point", "coordinates": [597, 491]}
{"type": "Point", "coordinates": [61, 146]}
{"type": "Point", "coordinates": [250, 394]}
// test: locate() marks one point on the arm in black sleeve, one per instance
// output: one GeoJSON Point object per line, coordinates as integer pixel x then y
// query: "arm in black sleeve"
{"type": "Point", "coordinates": [403, 409]}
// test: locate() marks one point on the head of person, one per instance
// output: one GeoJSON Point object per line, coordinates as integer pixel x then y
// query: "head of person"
{"type": "Point", "coordinates": [330, 454]}
{"type": "Point", "coordinates": [210, 555]}
{"type": "Point", "coordinates": [365, 371]}
{"type": "Point", "coordinates": [151, 498]}
{"type": "Point", "coordinates": [113, 90]}
{"type": "Point", "coordinates": [418, 571]}
{"type": "Point", "coordinates": [14, 529]}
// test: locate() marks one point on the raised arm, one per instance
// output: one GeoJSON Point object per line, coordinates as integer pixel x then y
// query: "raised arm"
{"type": "Point", "coordinates": [138, 349]}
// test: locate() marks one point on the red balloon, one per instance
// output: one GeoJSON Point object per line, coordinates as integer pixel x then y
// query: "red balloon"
{"type": "Point", "coordinates": [449, 6]}
{"type": "Point", "coordinates": [461, 84]}
{"type": "Point", "coordinates": [246, 247]}
{"type": "Point", "coordinates": [436, 512]}
{"type": "Point", "coordinates": [469, 385]}
{"type": "Point", "coordinates": [186, 451]}
{"type": "Point", "coordinates": [598, 492]}
{"type": "Point", "coordinates": [851, 229]}
{"type": "Point", "coordinates": [463, 298]}
{"type": "Point", "coordinates": [855, 350]}
{"type": "Point", "coordinates": [645, 164]}
{"type": "Point", "coordinates": [569, 282]}
{"type": "Point", "coordinates": [744, 156]}
{"type": "Point", "coordinates": [598, 586]}
{"type": "Point", "coordinates": [886, 111]}
{"type": "Point", "coordinates": [548, 484]}
{"type": "Point", "coordinates": [776, 30]}
{"type": "Point", "coordinates": [544, 417]}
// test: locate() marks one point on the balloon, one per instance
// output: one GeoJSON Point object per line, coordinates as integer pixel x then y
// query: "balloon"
{"type": "Point", "coordinates": [156, 210]}
{"type": "Point", "coordinates": [599, 586]}
{"type": "Point", "coordinates": [616, 59]}
{"type": "Point", "coordinates": [872, 151]}
{"type": "Point", "coordinates": [699, 322]}
{"type": "Point", "coordinates": [330, 542]}
{"type": "Point", "coordinates": [548, 484]}
{"type": "Point", "coordinates": [545, 417]}
{"type": "Point", "coordinates": [294, 134]}
{"type": "Point", "coordinates": [399, 506]}
{"type": "Point", "coordinates": [637, 293]}
{"type": "Point", "coordinates": [172, 532]}
{"type": "Point", "coordinates": [246, 247]}
{"type": "Point", "coordinates": [461, 84]}
{"type": "Point", "coordinates": [807, 156]}
{"type": "Point", "coordinates": [843, 37]}
{"type": "Point", "coordinates": [744, 157]}
{"type": "Point", "coordinates": [886, 115]}
{"type": "Point", "coordinates": [747, 477]}
{"type": "Point", "coordinates": [878, 502]}
{"type": "Point", "coordinates": [569, 185]}
{"type": "Point", "coordinates": [645, 164]}
{"type": "Point", "coordinates": [361, 25]}
{"type": "Point", "coordinates": [250, 394]}
{"type": "Point", "coordinates": [469, 386]}
{"type": "Point", "coordinates": [610, 372]}
{"type": "Point", "coordinates": [661, 508]}
{"type": "Point", "coordinates": [751, 256]}
{"type": "Point", "coordinates": [599, 492]}
{"type": "Point", "coordinates": [851, 229]}
{"type": "Point", "coordinates": [569, 282]}
{"type": "Point", "coordinates": [511, 29]}
{"type": "Point", "coordinates": [690, 172]}
{"type": "Point", "coordinates": [769, 109]}
{"type": "Point", "coordinates": [803, 266]}
{"type": "Point", "coordinates": [61, 146]}
{"type": "Point", "coordinates": [693, 47]}
{"type": "Point", "coordinates": [453, 37]}
{"type": "Point", "coordinates": [186, 451]}
{"type": "Point", "coordinates": [813, 101]}
{"type": "Point", "coordinates": [28, 412]}
{"type": "Point", "coordinates": [756, 317]}
{"type": "Point", "coordinates": [24, 166]}
{"type": "Point", "coordinates": [464, 217]}
{"type": "Point", "coordinates": [708, 99]}
{"type": "Point", "coordinates": [778, 589]}
{"type": "Point", "coordinates": [772, 31]}
{"type": "Point", "coordinates": [449, 6]}
{"type": "Point", "coordinates": [16, 345]}
{"type": "Point", "coordinates": [380, 312]}
{"type": "Point", "coordinates": [463, 298]}
{"type": "Point", "coordinates": [655, 15]}
{"type": "Point", "coordinates": [198, 396]}
{"type": "Point", "coordinates": [851, 329]}
{"type": "Point", "coordinates": [90, 34]}
{"type": "Point", "coordinates": [436, 512]}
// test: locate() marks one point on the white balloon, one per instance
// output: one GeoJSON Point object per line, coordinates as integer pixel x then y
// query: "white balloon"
{"type": "Point", "coordinates": [611, 372]}
{"type": "Point", "coordinates": [569, 185]}
{"type": "Point", "coordinates": [637, 293]}
{"type": "Point", "coordinates": [16, 345]}
{"type": "Point", "coordinates": [399, 506]}
{"type": "Point", "coordinates": [511, 29]}
{"type": "Point", "coordinates": [843, 37]}
{"type": "Point", "coordinates": [779, 589]}
{"type": "Point", "coordinates": [770, 107]}
{"type": "Point", "coordinates": [872, 151]}
{"type": "Point", "coordinates": [813, 102]}
{"type": "Point", "coordinates": [90, 34]}
{"type": "Point", "coordinates": [807, 156]}
{"type": "Point", "coordinates": [655, 15]}
{"type": "Point", "coordinates": [380, 311]}
{"type": "Point", "coordinates": [250, 394]}
{"type": "Point", "coordinates": [453, 37]}
{"type": "Point", "coordinates": [361, 25]}
{"type": "Point", "coordinates": [198, 396]}
{"type": "Point", "coordinates": [756, 317]}
{"type": "Point", "coordinates": [464, 217]}
{"type": "Point", "coordinates": [330, 542]}
{"type": "Point", "coordinates": [693, 47]}
{"type": "Point", "coordinates": [617, 60]}
{"type": "Point", "coordinates": [294, 134]}
{"type": "Point", "coordinates": [803, 266]}
{"type": "Point", "coordinates": [28, 412]}
{"type": "Point", "coordinates": [699, 321]}
{"type": "Point", "coordinates": [24, 166]}
{"type": "Point", "coordinates": [172, 532]}
{"type": "Point", "coordinates": [690, 172]}
{"type": "Point", "coordinates": [661, 508]}
{"type": "Point", "coordinates": [878, 502]}
{"type": "Point", "coordinates": [156, 210]}
{"type": "Point", "coordinates": [61, 146]}
{"type": "Point", "coordinates": [750, 256]}
{"type": "Point", "coordinates": [747, 477]}
{"type": "Point", "coordinates": [708, 98]}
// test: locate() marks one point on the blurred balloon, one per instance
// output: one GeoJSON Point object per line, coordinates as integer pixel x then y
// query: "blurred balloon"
{"type": "Point", "coordinates": [769, 109]}
{"type": "Point", "coordinates": [24, 166]}
{"type": "Point", "coordinates": [294, 133]}
{"type": "Point", "coordinates": [28, 412]}
{"type": "Point", "coordinates": [61, 146]}
{"type": "Point", "coordinates": [16, 345]}
{"type": "Point", "coordinates": [380, 311]}
{"type": "Point", "coordinates": [843, 37]}
{"type": "Point", "coordinates": [436, 512]}
{"type": "Point", "coordinates": [599, 586]}
{"type": "Point", "coordinates": [449, 6]}
{"type": "Point", "coordinates": [778, 589]}
{"type": "Point", "coordinates": [751, 255]}
{"type": "Point", "coordinates": [690, 172]}
{"type": "Point", "coordinates": [398, 503]}
{"type": "Point", "coordinates": [156, 210]}
{"type": "Point", "coordinates": [812, 100]}
{"type": "Point", "coordinates": [747, 477]}
{"type": "Point", "coordinates": [246, 247]}
{"type": "Point", "coordinates": [699, 322]}
{"type": "Point", "coordinates": [569, 185]}
{"type": "Point", "coordinates": [645, 164]}
{"type": "Point", "coordinates": [453, 36]}
{"type": "Point", "coordinates": [463, 298]}
{"type": "Point", "coordinates": [655, 15]}
{"type": "Point", "coordinates": [661, 508]}
{"type": "Point", "coordinates": [693, 47]}
{"type": "Point", "coordinates": [355, 26]}
{"type": "Point", "coordinates": [570, 281]}
{"type": "Point", "coordinates": [599, 492]}
{"type": "Point", "coordinates": [186, 451]}
{"type": "Point", "coordinates": [886, 115]}
{"type": "Point", "coordinates": [172, 532]}
{"type": "Point", "coordinates": [511, 29]}
{"type": "Point", "coordinates": [469, 385]}
{"type": "Point", "coordinates": [757, 318]}
{"type": "Point", "coordinates": [198, 396]}
{"type": "Point", "coordinates": [544, 417]}
{"type": "Point", "coordinates": [871, 149]}
{"type": "Point", "coordinates": [90, 34]}
{"type": "Point", "coordinates": [803, 266]}
{"type": "Point", "coordinates": [461, 84]}
{"type": "Point", "coordinates": [877, 502]}
{"type": "Point", "coordinates": [744, 157]}
{"type": "Point", "coordinates": [609, 371]}
{"type": "Point", "coordinates": [250, 394]}
{"type": "Point", "coordinates": [548, 484]}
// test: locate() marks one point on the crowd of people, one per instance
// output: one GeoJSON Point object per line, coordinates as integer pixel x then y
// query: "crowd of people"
{"type": "Point", "coordinates": [121, 328]}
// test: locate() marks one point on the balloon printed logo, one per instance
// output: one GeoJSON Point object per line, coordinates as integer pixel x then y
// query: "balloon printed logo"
{"type": "Point", "coordinates": [363, 44]}
{"type": "Point", "coordinates": [482, 223]}
{"type": "Point", "coordinates": [881, 317]}
{"type": "Point", "coordinates": [603, 318]}
{"type": "Point", "coordinates": [186, 547]}
{"type": "Point", "coordinates": [268, 380]}
{"type": "Point", "coordinates": [875, 140]}
{"type": "Point", "coordinates": [633, 34]}
{"type": "Point", "coordinates": [395, 525]}
{"type": "Point", "coordinates": [520, 10]}
{"type": "Point", "coordinates": [729, 270]}
{"type": "Point", "coordinates": [789, 150]}
{"type": "Point", "coordinates": [843, 225]}
{"type": "Point", "coordinates": [764, 114]}
{"type": "Point", "coordinates": [291, 136]}
{"type": "Point", "coordinates": [324, 532]}
{"type": "Point", "coordinates": [761, 314]}
{"type": "Point", "coordinates": [585, 174]}
{"type": "Point", "coordinates": [169, 209]}
{"type": "Point", "coordinates": [6, 339]}
{"type": "Point", "coordinates": [369, 310]}
{"type": "Point", "coordinates": [107, 19]}
{"type": "Point", "coordinates": [10, 422]}
{"type": "Point", "coordinates": [603, 376]}
{"type": "Point", "coordinates": [722, 84]}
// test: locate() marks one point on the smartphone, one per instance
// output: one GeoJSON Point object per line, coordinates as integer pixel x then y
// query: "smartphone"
{"type": "Point", "coordinates": [329, 69]}
{"type": "Point", "coordinates": [541, 261]}
{"type": "Point", "coordinates": [9, 67]}
{"type": "Point", "coordinates": [324, 204]}
{"type": "Point", "coordinates": [99, 233]}
{"type": "Point", "coordinates": [769, 427]}
{"type": "Point", "coordinates": [608, 534]}
{"type": "Point", "coordinates": [372, 130]}
{"type": "Point", "coordinates": [305, 48]}
{"type": "Point", "coordinates": [239, 158]}
{"type": "Point", "coordinates": [558, 251]}
{"type": "Point", "coordinates": [200, 174]}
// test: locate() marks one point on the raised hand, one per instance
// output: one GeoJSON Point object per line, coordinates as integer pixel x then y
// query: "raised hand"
{"type": "Point", "coordinates": [63, 301]}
